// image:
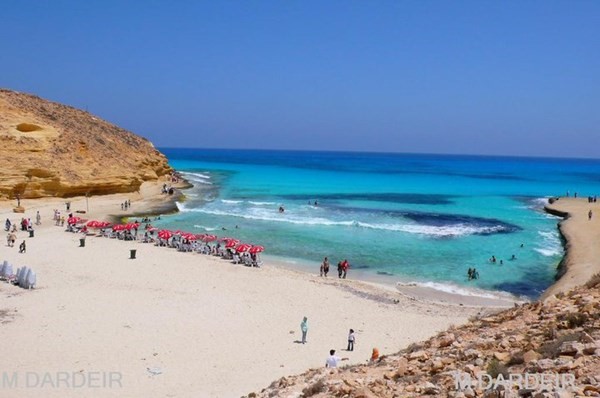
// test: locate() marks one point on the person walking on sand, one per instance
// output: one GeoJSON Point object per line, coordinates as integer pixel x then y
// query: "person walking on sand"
{"type": "Point", "coordinates": [351, 340]}
{"type": "Point", "coordinates": [12, 237]}
{"type": "Point", "coordinates": [340, 269]}
{"type": "Point", "coordinates": [304, 329]}
{"type": "Point", "coordinates": [38, 218]}
{"type": "Point", "coordinates": [22, 247]}
{"type": "Point", "coordinates": [590, 215]}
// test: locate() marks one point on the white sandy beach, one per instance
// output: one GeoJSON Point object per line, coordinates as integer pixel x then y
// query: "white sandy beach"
{"type": "Point", "coordinates": [209, 327]}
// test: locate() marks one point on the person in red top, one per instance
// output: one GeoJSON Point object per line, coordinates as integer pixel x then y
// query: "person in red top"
{"type": "Point", "coordinates": [345, 266]}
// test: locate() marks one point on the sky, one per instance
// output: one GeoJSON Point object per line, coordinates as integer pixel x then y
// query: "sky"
{"type": "Point", "coordinates": [462, 77]}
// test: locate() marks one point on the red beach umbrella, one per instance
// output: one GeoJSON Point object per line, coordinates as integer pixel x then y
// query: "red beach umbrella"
{"type": "Point", "coordinates": [165, 234]}
{"type": "Point", "coordinates": [131, 225]}
{"type": "Point", "coordinates": [243, 247]}
{"type": "Point", "coordinates": [93, 224]}
{"type": "Point", "coordinates": [73, 220]}
{"type": "Point", "coordinates": [209, 238]}
{"type": "Point", "coordinates": [231, 243]}
{"type": "Point", "coordinates": [119, 227]}
{"type": "Point", "coordinates": [256, 249]}
{"type": "Point", "coordinates": [189, 236]}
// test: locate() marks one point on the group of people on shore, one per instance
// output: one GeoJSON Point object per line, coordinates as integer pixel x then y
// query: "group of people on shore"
{"type": "Point", "coordinates": [126, 205]}
{"type": "Point", "coordinates": [333, 360]}
{"type": "Point", "coordinates": [11, 228]}
{"type": "Point", "coordinates": [342, 268]}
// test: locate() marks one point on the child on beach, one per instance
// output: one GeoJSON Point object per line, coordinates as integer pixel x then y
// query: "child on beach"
{"type": "Point", "coordinates": [304, 329]}
{"type": "Point", "coordinates": [351, 340]}
{"type": "Point", "coordinates": [374, 355]}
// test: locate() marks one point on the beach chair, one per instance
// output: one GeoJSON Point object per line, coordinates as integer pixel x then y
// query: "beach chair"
{"type": "Point", "coordinates": [6, 272]}
{"type": "Point", "coordinates": [30, 280]}
{"type": "Point", "coordinates": [26, 278]}
{"type": "Point", "coordinates": [236, 258]}
{"type": "Point", "coordinates": [21, 276]}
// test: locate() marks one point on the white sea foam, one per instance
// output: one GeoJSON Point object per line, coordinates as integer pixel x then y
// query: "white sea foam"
{"type": "Point", "coordinates": [231, 202]}
{"type": "Point", "coordinates": [459, 290]}
{"type": "Point", "coordinates": [262, 203]}
{"type": "Point", "coordinates": [551, 244]}
{"type": "Point", "coordinates": [197, 178]}
{"type": "Point", "coordinates": [205, 228]}
{"type": "Point", "coordinates": [268, 215]}
{"type": "Point", "coordinates": [548, 252]}
{"type": "Point", "coordinates": [197, 175]}
{"type": "Point", "coordinates": [440, 231]}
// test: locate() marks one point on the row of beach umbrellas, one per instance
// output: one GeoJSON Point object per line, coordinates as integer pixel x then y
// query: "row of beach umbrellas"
{"type": "Point", "coordinates": [230, 243]}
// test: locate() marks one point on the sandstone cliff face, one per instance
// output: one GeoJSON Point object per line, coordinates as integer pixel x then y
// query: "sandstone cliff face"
{"type": "Point", "coordinates": [49, 149]}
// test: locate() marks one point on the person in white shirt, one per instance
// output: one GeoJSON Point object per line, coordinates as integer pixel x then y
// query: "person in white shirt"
{"type": "Point", "coordinates": [332, 360]}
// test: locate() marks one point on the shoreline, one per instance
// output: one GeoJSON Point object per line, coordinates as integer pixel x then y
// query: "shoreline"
{"type": "Point", "coordinates": [183, 323]}
{"type": "Point", "coordinates": [411, 290]}
{"type": "Point", "coordinates": [580, 236]}
{"type": "Point", "coordinates": [187, 314]}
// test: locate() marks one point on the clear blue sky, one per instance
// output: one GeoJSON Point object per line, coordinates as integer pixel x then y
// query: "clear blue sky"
{"type": "Point", "coordinates": [479, 77]}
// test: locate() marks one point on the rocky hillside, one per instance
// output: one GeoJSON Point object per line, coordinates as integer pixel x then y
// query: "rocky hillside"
{"type": "Point", "coordinates": [559, 338]}
{"type": "Point", "coordinates": [49, 149]}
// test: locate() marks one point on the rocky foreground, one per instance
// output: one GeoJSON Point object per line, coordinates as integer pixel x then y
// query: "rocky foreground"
{"type": "Point", "coordinates": [50, 149]}
{"type": "Point", "coordinates": [558, 338]}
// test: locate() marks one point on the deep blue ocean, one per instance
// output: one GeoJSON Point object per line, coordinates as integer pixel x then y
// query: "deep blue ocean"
{"type": "Point", "coordinates": [402, 217]}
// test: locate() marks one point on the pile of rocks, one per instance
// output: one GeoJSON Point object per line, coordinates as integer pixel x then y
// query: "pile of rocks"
{"type": "Point", "coordinates": [558, 339]}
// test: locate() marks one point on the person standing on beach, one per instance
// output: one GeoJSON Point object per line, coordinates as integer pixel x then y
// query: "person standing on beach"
{"type": "Point", "coordinates": [325, 267]}
{"type": "Point", "coordinates": [38, 218]}
{"type": "Point", "coordinates": [590, 215]}
{"type": "Point", "coordinates": [304, 329]}
{"type": "Point", "coordinates": [345, 266]}
{"type": "Point", "coordinates": [351, 340]}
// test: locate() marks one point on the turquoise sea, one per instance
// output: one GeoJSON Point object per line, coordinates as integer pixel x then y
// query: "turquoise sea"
{"type": "Point", "coordinates": [404, 217]}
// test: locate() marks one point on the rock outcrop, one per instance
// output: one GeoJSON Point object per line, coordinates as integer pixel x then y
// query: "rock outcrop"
{"type": "Point", "coordinates": [558, 338]}
{"type": "Point", "coordinates": [50, 149]}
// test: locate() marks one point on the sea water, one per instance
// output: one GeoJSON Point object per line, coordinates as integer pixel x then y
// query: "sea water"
{"type": "Point", "coordinates": [422, 219]}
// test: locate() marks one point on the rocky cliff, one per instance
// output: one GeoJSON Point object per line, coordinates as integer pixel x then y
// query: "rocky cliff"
{"type": "Point", "coordinates": [558, 338]}
{"type": "Point", "coordinates": [50, 149]}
